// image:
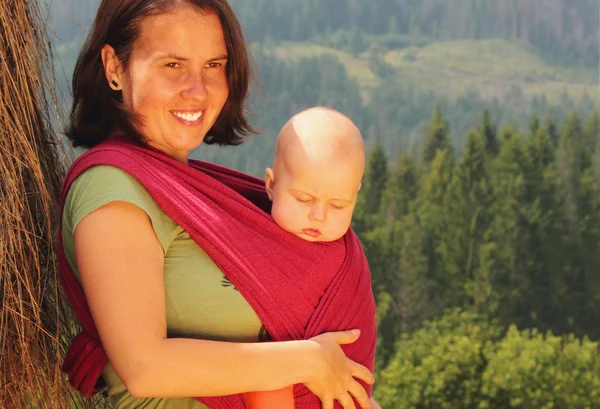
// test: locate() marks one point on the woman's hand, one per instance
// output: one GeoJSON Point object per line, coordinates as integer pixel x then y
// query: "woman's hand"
{"type": "Point", "coordinates": [335, 372]}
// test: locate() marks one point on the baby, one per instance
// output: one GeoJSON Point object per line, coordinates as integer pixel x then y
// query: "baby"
{"type": "Point", "coordinates": [317, 172]}
{"type": "Point", "coordinates": [314, 183]}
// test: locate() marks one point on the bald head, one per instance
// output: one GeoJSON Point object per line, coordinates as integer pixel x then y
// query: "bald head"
{"type": "Point", "coordinates": [320, 134]}
{"type": "Point", "coordinates": [314, 183]}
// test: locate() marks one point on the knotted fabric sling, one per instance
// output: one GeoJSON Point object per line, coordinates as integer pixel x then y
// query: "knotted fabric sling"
{"type": "Point", "coordinates": [298, 289]}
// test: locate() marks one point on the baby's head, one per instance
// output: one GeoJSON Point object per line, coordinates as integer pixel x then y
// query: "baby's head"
{"type": "Point", "coordinates": [317, 172]}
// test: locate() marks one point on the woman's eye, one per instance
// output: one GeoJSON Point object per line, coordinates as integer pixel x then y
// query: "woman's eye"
{"type": "Point", "coordinates": [173, 65]}
{"type": "Point", "coordinates": [214, 64]}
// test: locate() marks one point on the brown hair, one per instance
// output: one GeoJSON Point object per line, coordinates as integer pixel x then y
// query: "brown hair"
{"type": "Point", "coordinates": [97, 109]}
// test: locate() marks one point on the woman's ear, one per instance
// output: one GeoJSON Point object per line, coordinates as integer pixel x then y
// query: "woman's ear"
{"type": "Point", "coordinates": [112, 67]}
{"type": "Point", "coordinates": [269, 182]}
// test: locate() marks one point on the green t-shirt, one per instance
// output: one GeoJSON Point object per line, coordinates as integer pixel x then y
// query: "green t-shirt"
{"type": "Point", "coordinates": [200, 300]}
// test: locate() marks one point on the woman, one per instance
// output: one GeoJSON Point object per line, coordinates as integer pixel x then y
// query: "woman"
{"type": "Point", "coordinates": [170, 75]}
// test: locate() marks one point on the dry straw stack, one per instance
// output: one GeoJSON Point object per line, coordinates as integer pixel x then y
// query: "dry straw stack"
{"type": "Point", "coordinates": [34, 322]}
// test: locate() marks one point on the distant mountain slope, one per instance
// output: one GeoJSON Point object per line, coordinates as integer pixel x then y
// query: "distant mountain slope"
{"type": "Point", "coordinates": [562, 31]}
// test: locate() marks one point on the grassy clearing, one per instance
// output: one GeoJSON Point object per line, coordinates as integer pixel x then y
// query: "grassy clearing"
{"type": "Point", "coordinates": [491, 58]}
{"type": "Point", "coordinates": [490, 67]}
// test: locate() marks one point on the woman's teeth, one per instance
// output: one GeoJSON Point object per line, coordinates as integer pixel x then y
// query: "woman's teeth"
{"type": "Point", "coordinates": [188, 116]}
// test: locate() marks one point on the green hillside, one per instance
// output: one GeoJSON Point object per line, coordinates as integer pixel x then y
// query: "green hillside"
{"type": "Point", "coordinates": [453, 68]}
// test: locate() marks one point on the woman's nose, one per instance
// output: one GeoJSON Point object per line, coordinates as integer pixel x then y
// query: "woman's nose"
{"type": "Point", "coordinates": [195, 87]}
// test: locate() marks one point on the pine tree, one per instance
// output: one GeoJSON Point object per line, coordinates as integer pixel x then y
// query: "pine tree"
{"type": "Point", "coordinates": [401, 190]}
{"type": "Point", "coordinates": [397, 262]}
{"type": "Point", "coordinates": [541, 149]}
{"type": "Point", "coordinates": [507, 239]}
{"type": "Point", "coordinates": [591, 131]}
{"type": "Point", "coordinates": [542, 226]}
{"type": "Point", "coordinates": [551, 129]}
{"type": "Point", "coordinates": [534, 124]}
{"type": "Point", "coordinates": [411, 284]}
{"type": "Point", "coordinates": [366, 221]}
{"type": "Point", "coordinates": [375, 179]}
{"type": "Point", "coordinates": [571, 160]}
{"type": "Point", "coordinates": [488, 132]}
{"type": "Point", "coordinates": [467, 218]}
{"type": "Point", "coordinates": [438, 136]}
{"type": "Point", "coordinates": [430, 210]}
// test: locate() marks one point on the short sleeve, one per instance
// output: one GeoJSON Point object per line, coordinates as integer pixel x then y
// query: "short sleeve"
{"type": "Point", "coordinates": [101, 185]}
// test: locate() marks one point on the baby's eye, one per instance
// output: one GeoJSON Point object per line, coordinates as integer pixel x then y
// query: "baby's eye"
{"type": "Point", "coordinates": [303, 199]}
{"type": "Point", "coordinates": [337, 207]}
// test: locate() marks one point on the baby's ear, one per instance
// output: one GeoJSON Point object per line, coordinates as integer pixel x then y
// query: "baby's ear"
{"type": "Point", "coordinates": [359, 186]}
{"type": "Point", "coordinates": [269, 182]}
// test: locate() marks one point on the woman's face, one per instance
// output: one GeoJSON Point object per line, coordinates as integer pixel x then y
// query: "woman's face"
{"type": "Point", "coordinates": [175, 79]}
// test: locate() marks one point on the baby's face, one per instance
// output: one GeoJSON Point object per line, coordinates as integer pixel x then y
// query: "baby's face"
{"type": "Point", "coordinates": [314, 201]}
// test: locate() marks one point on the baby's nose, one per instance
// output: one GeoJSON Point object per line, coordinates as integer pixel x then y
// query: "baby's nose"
{"type": "Point", "coordinates": [318, 213]}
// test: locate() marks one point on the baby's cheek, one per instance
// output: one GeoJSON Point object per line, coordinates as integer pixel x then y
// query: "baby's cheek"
{"type": "Point", "coordinates": [282, 214]}
{"type": "Point", "coordinates": [343, 224]}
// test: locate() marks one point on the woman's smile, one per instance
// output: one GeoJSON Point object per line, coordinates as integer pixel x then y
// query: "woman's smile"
{"type": "Point", "coordinates": [191, 118]}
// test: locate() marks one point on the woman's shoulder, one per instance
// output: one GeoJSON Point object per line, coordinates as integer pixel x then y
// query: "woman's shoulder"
{"type": "Point", "coordinates": [106, 179]}
{"type": "Point", "coordinates": [103, 184]}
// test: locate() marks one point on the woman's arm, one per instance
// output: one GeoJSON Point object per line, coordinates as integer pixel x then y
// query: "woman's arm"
{"type": "Point", "coordinates": [120, 262]}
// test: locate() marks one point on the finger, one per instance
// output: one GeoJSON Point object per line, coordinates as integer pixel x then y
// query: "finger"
{"type": "Point", "coordinates": [359, 393]}
{"type": "Point", "coordinates": [346, 337]}
{"type": "Point", "coordinates": [346, 401]}
{"type": "Point", "coordinates": [327, 402]}
{"type": "Point", "coordinates": [362, 372]}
